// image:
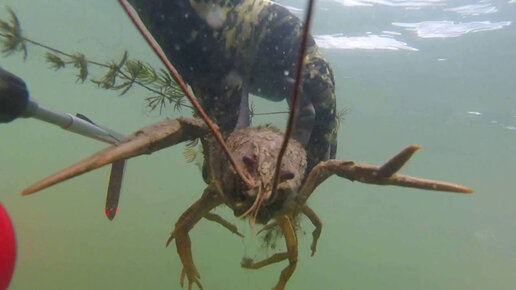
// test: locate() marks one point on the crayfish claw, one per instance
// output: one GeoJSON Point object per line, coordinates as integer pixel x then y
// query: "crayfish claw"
{"type": "Point", "coordinates": [170, 239]}
{"type": "Point", "coordinates": [192, 278]}
{"type": "Point", "coordinates": [144, 141]}
{"type": "Point", "coordinates": [394, 164]}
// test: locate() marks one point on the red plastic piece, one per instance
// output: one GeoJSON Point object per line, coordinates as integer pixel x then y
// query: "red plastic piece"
{"type": "Point", "coordinates": [7, 249]}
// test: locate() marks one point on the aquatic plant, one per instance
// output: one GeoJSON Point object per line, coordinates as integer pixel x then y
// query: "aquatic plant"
{"type": "Point", "coordinates": [12, 34]}
{"type": "Point", "coordinates": [120, 76]}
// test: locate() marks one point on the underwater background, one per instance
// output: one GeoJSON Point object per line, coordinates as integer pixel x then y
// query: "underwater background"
{"type": "Point", "coordinates": [437, 73]}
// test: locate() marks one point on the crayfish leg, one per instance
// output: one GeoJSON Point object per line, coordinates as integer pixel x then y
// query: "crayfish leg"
{"type": "Point", "coordinates": [286, 222]}
{"type": "Point", "coordinates": [221, 221]}
{"type": "Point", "coordinates": [317, 222]}
{"type": "Point", "coordinates": [186, 222]}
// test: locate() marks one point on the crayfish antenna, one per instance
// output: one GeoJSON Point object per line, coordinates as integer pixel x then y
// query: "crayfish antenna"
{"type": "Point", "coordinates": [295, 94]}
{"type": "Point", "coordinates": [255, 207]}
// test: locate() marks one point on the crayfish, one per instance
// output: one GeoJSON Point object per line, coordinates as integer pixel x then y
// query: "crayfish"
{"type": "Point", "coordinates": [256, 150]}
{"type": "Point", "coordinates": [247, 176]}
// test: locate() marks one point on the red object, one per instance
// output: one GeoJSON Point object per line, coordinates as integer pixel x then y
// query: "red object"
{"type": "Point", "coordinates": [7, 249]}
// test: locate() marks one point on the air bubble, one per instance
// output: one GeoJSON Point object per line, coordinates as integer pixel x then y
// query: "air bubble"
{"type": "Point", "coordinates": [215, 18]}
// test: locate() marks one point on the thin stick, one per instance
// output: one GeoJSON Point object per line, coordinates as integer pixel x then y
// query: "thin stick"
{"type": "Point", "coordinates": [294, 97]}
{"type": "Point", "coordinates": [183, 86]}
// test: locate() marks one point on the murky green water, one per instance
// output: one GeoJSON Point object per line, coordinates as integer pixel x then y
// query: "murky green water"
{"type": "Point", "coordinates": [448, 87]}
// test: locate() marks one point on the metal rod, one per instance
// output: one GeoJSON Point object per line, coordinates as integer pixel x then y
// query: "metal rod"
{"type": "Point", "coordinates": [71, 123]}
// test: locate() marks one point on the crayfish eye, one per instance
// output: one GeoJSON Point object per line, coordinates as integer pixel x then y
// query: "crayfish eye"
{"type": "Point", "coordinates": [286, 175]}
{"type": "Point", "coordinates": [249, 161]}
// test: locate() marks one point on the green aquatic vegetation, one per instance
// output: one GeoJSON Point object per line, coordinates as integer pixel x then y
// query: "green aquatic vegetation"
{"type": "Point", "coordinates": [120, 76]}
{"type": "Point", "coordinates": [271, 233]}
{"type": "Point", "coordinates": [194, 153]}
{"type": "Point", "coordinates": [190, 154]}
{"type": "Point", "coordinates": [341, 116]}
{"type": "Point", "coordinates": [109, 79]}
{"type": "Point", "coordinates": [12, 33]}
{"type": "Point", "coordinates": [55, 61]}
{"type": "Point", "coordinates": [169, 90]}
{"type": "Point", "coordinates": [79, 61]}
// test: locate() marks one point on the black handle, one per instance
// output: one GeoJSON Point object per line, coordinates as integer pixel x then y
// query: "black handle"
{"type": "Point", "coordinates": [14, 96]}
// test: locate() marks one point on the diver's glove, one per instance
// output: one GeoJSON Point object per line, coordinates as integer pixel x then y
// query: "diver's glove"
{"type": "Point", "coordinates": [14, 96]}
